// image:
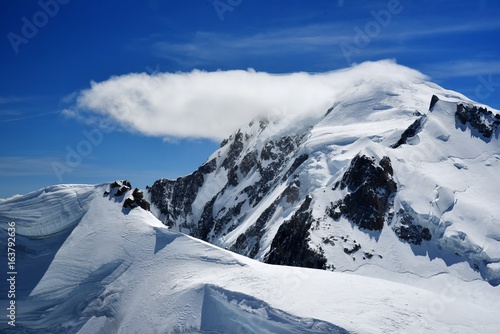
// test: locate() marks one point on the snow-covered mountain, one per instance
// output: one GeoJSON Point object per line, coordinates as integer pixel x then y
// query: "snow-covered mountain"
{"type": "Point", "coordinates": [392, 190]}
{"type": "Point", "coordinates": [85, 264]}
{"type": "Point", "coordinates": [399, 175]}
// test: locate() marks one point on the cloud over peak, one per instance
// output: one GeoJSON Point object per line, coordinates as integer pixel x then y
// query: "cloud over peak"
{"type": "Point", "coordinates": [201, 104]}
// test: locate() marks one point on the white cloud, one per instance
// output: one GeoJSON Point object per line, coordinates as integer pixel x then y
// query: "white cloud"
{"type": "Point", "coordinates": [211, 105]}
{"type": "Point", "coordinates": [13, 166]}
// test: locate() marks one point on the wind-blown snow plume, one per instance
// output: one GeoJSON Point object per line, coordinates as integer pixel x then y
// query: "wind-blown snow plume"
{"type": "Point", "coordinates": [211, 105]}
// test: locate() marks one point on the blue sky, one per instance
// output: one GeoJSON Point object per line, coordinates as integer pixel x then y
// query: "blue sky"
{"type": "Point", "coordinates": [52, 50]}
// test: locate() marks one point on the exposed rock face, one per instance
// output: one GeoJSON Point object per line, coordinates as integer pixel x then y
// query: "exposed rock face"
{"type": "Point", "coordinates": [274, 157]}
{"type": "Point", "coordinates": [411, 131]}
{"type": "Point", "coordinates": [117, 184]}
{"type": "Point", "coordinates": [248, 243]}
{"type": "Point", "coordinates": [370, 187]}
{"type": "Point", "coordinates": [119, 188]}
{"type": "Point", "coordinates": [206, 222]}
{"type": "Point", "coordinates": [248, 162]}
{"type": "Point", "coordinates": [122, 190]}
{"type": "Point", "coordinates": [406, 229]}
{"type": "Point", "coordinates": [129, 203]}
{"type": "Point", "coordinates": [296, 163]}
{"type": "Point", "coordinates": [353, 250]}
{"type": "Point", "coordinates": [480, 119]}
{"type": "Point", "coordinates": [235, 165]}
{"type": "Point", "coordinates": [137, 193]}
{"type": "Point", "coordinates": [175, 198]}
{"type": "Point", "coordinates": [235, 150]}
{"type": "Point", "coordinates": [290, 245]}
{"type": "Point", "coordinates": [144, 204]}
{"type": "Point", "coordinates": [434, 100]}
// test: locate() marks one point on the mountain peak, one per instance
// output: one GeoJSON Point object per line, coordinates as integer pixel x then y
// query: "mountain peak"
{"type": "Point", "coordinates": [392, 161]}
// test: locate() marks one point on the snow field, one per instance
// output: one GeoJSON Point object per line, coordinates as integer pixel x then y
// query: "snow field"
{"type": "Point", "coordinates": [125, 272]}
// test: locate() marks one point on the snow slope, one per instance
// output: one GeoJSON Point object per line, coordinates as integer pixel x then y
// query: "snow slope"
{"type": "Point", "coordinates": [115, 270]}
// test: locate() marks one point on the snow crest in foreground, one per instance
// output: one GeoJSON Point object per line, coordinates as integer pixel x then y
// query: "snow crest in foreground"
{"type": "Point", "coordinates": [123, 271]}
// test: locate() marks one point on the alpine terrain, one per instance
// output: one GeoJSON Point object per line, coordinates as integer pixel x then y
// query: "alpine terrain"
{"type": "Point", "coordinates": [377, 214]}
{"type": "Point", "coordinates": [398, 175]}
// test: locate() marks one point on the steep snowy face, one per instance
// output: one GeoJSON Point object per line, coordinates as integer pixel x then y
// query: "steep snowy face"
{"type": "Point", "coordinates": [397, 171]}
{"type": "Point", "coordinates": [235, 187]}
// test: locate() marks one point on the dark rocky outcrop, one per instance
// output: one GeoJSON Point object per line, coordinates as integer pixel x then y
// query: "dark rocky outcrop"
{"type": "Point", "coordinates": [174, 198]}
{"type": "Point", "coordinates": [352, 250]}
{"type": "Point", "coordinates": [144, 204]}
{"type": "Point", "coordinates": [226, 218]}
{"type": "Point", "coordinates": [290, 245]}
{"type": "Point", "coordinates": [232, 176]}
{"type": "Point", "coordinates": [413, 234]}
{"type": "Point", "coordinates": [276, 155]}
{"type": "Point", "coordinates": [434, 100]}
{"type": "Point", "coordinates": [137, 193]}
{"type": "Point", "coordinates": [296, 163]}
{"type": "Point", "coordinates": [292, 192]}
{"type": "Point", "coordinates": [234, 151]}
{"type": "Point", "coordinates": [371, 188]}
{"type": "Point", "coordinates": [122, 190]}
{"type": "Point", "coordinates": [129, 203]}
{"type": "Point", "coordinates": [248, 163]}
{"type": "Point", "coordinates": [206, 222]}
{"type": "Point", "coordinates": [115, 184]}
{"type": "Point", "coordinates": [406, 229]}
{"type": "Point", "coordinates": [132, 203]}
{"type": "Point", "coordinates": [411, 131]}
{"type": "Point", "coordinates": [479, 119]}
{"type": "Point", "coordinates": [124, 186]}
{"type": "Point", "coordinates": [248, 243]}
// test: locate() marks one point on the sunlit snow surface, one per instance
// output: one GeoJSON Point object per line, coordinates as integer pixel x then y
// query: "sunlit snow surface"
{"type": "Point", "coordinates": [86, 265]}
{"type": "Point", "coordinates": [121, 271]}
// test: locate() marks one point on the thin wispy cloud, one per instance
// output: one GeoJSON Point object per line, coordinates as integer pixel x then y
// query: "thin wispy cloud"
{"type": "Point", "coordinates": [321, 39]}
{"type": "Point", "coordinates": [462, 69]}
{"type": "Point", "coordinates": [12, 166]}
{"type": "Point", "coordinates": [415, 29]}
{"type": "Point", "coordinates": [10, 112]}
{"type": "Point", "coordinates": [205, 47]}
{"type": "Point", "coordinates": [19, 108]}
{"type": "Point", "coordinates": [22, 118]}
